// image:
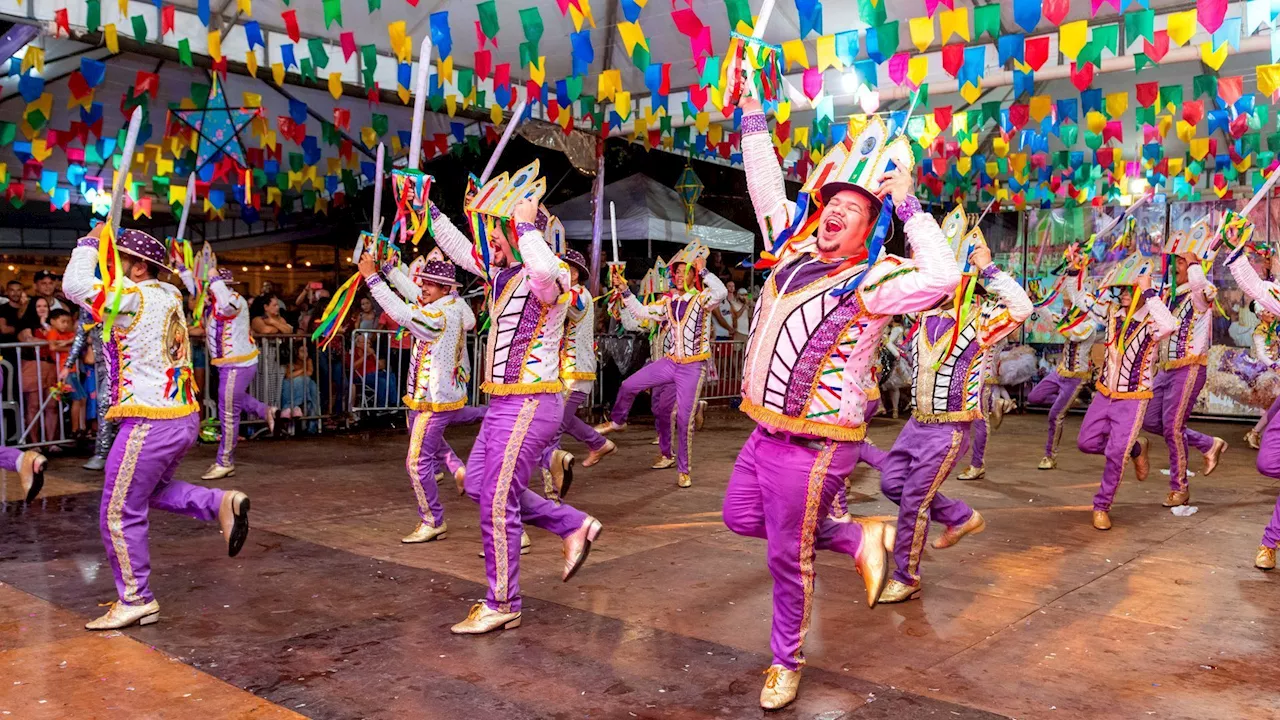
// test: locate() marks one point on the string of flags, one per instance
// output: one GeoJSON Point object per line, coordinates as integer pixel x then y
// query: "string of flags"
{"type": "Point", "coordinates": [1032, 150]}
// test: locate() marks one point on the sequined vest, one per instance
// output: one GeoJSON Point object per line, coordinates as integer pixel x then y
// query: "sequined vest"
{"type": "Point", "coordinates": [523, 353]}
{"type": "Point", "coordinates": [578, 358]}
{"type": "Point", "coordinates": [1127, 373]}
{"type": "Point", "coordinates": [439, 368]}
{"type": "Point", "coordinates": [149, 358]}
{"type": "Point", "coordinates": [948, 380]}
{"type": "Point", "coordinates": [688, 334]}
{"type": "Point", "coordinates": [227, 338]}
{"type": "Point", "coordinates": [1190, 342]}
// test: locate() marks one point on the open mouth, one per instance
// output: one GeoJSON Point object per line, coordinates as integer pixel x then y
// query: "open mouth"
{"type": "Point", "coordinates": [833, 225]}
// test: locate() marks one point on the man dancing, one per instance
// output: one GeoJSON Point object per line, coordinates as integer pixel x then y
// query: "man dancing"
{"type": "Point", "coordinates": [527, 308]}
{"type": "Point", "coordinates": [950, 355]}
{"type": "Point", "coordinates": [578, 371]}
{"type": "Point", "coordinates": [817, 326]}
{"type": "Point", "coordinates": [1062, 386]}
{"type": "Point", "coordinates": [436, 386]}
{"type": "Point", "coordinates": [686, 313]}
{"type": "Point", "coordinates": [153, 394]}
{"type": "Point", "coordinates": [1184, 370]}
{"type": "Point", "coordinates": [1135, 326]}
{"type": "Point", "coordinates": [234, 354]}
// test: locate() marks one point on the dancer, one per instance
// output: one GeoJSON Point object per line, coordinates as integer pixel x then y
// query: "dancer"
{"type": "Point", "coordinates": [817, 325]}
{"type": "Point", "coordinates": [1184, 371]}
{"type": "Point", "coordinates": [234, 354]}
{"type": "Point", "coordinates": [1267, 296]}
{"type": "Point", "coordinates": [1135, 326]}
{"type": "Point", "coordinates": [662, 400]}
{"type": "Point", "coordinates": [578, 371]}
{"type": "Point", "coordinates": [527, 311]}
{"type": "Point", "coordinates": [901, 372]}
{"type": "Point", "coordinates": [428, 307]}
{"type": "Point", "coordinates": [950, 357]}
{"type": "Point", "coordinates": [1060, 388]}
{"type": "Point", "coordinates": [981, 426]}
{"type": "Point", "coordinates": [29, 465]}
{"type": "Point", "coordinates": [686, 313]}
{"type": "Point", "coordinates": [153, 395]}
{"type": "Point", "coordinates": [1266, 350]}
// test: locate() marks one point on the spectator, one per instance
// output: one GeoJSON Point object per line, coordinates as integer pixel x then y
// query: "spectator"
{"type": "Point", "coordinates": [741, 314]}
{"type": "Point", "coordinates": [264, 321]}
{"type": "Point", "coordinates": [38, 375]}
{"type": "Point", "coordinates": [60, 335]}
{"type": "Point", "coordinates": [11, 311]}
{"type": "Point", "coordinates": [45, 285]}
{"type": "Point", "coordinates": [367, 317]}
{"type": "Point", "coordinates": [722, 318]}
{"type": "Point", "coordinates": [300, 395]}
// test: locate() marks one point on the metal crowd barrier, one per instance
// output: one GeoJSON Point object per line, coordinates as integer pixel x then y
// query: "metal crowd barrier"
{"type": "Point", "coordinates": [320, 399]}
{"type": "Point", "coordinates": [36, 417]}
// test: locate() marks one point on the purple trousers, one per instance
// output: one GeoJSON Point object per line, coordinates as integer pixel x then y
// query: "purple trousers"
{"type": "Point", "coordinates": [921, 459]}
{"type": "Point", "coordinates": [139, 476]}
{"type": "Point", "coordinates": [870, 455]}
{"type": "Point", "coordinates": [233, 399]}
{"type": "Point", "coordinates": [780, 491]}
{"type": "Point", "coordinates": [9, 458]}
{"type": "Point", "coordinates": [664, 416]}
{"type": "Point", "coordinates": [1175, 392]}
{"type": "Point", "coordinates": [575, 426]}
{"type": "Point", "coordinates": [981, 427]}
{"type": "Point", "coordinates": [687, 379]}
{"type": "Point", "coordinates": [1269, 465]}
{"type": "Point", "coordinates": [1110, 429]}
{"type": "Point", "coordinates": [1060, 393]}
{"type": "Point", "coordinates": [515, 432]}
{"type": "Point", "coordinates": [427, 450]}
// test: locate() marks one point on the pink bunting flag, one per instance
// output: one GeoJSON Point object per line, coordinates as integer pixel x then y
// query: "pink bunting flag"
{"type": "Point", "coordinates": [1113, 131]}
{"type": "Point", "coordinates": [1096, 4]}
{"type": "Point", "coordinates": [1210, 13]}
{"type": "Point", "coordinates": [931, 6]}
{"type": "Point", "coordinates": [812, 82]}
{"type": "Point", "coordinates": [898, 68]}
{"type": "Point", "coordinates": [348, 42]}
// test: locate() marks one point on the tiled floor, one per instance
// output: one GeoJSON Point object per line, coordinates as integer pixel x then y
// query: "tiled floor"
{"type": "Point", "coordinates": [326, 614]}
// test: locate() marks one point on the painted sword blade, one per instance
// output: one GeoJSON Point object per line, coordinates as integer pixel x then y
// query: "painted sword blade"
{"type": "Point", "coordinates": [122, 173]}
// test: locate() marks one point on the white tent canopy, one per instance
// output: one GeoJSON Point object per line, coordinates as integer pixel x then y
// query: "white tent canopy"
{"type": "Point", "coordinates": [650, 211]}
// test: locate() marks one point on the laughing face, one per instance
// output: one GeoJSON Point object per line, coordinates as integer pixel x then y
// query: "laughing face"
{"type": "Point", "coordinates": [844, 225]}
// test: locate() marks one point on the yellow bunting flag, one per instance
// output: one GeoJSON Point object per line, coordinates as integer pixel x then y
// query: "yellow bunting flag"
{"type": "Point", "coordinates": [1186, 132]}
{"type": "Point", "coordinates": [1199, 148]}
{"type": "Point", "coordinates": [702, 121]}
{"type": "Point", "coordinates": [40, 149]}
{"type": "Point", "coordinates": [793, 51]}
{"type": "Point", "coordinates": [1182, 26]}
{"type": "Point", "coordinates": [215, 45]}
{"type": "Point", "coordinates": [782, 112]}
{"type": "Point", "coordinates": [33, 58]}
{"type": "Point", "coordinates": [538, 71]}
{"type": "Point", "coordinates": [495, 114]}
{"type": "Point", "coordinates": [1268, 79]}
{"type": "Point", "coordinates": [335, 84]}
{"type": "Point", "coordinates": [1175, 165]}
{"type": "Point", "coordinates": [971, 93]}
{"type": "Point", "coordinates": [177, 193]}
{"type": "Point", "coordinates": [1001, 148]}
{"type": "Point", "coordinates": [1040, 107]}
{"type": "Point", "coordinates": [444, 70]}
{"type": "Point", "coordinates": [396, 33]}
{"type": "Point", "coordinates": [1117, 103]}
{"type": "Point", "coordinates": [109, 34]}
{"type": "Point", "coordinates": [245, 7]}
{"type": "Point", "coordinates": [609, 83]}
{"type": "Point", "coordinates": [922, 32]}
{"type": "Point", "coordinates": [1072, 37]}
{"type": "Point", "coordinates": [964, 165]}
{"type": "Point", "coordinates": [632, 35]}
{"type": "Point", "coordinates": [277, 73]}
{"type": "Point", "coordinates": [801, 136]}
{"type": "Point", "coordinates": [917, 69]}
{"type": "Point", "coordinates": [1095, 121]}
{"type": "Point", "coordinates": [954, 22]}
{"type": "Point", "coordinates": [1213, 58]}
{"type": "Point", "coordinates": [1163, 124]}
{"type": "Point", "coordinates": [251, 62]}
{"type": "Point", "coordinates": [622, 104]}
{"type": "Point", "coordinates": [451, 104]}
{"type": "Point", "coordinates": [402, 92]}
{"type": "Point", "coordinates": [827, 57]}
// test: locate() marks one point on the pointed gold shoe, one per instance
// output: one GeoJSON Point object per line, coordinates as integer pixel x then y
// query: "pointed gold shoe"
{"type": "Point", "coordinates": [561, 471]}
{"type": "Point", "coordinates": [655, 441]}
{"type": "Point", "coordinates": [896, 592]}
{"type": "Point", "coordinates": [1142, 463]}
{"type": "Point", "coordinates": [890, 529]}
{"type": "Point", "coordinates": [663, 462]}
{"type": "Point", "coordinates": [578, 545]}
{"type": "Point", "coordinates": [460, 479]}
{"type": "Point", "coordinates": [1253, 439]}
{"type": "Point", "coordinates": [217, 472]}
{"type": "Point", "coordinates": [608, 426]}
{"type": "Point", "coordinates": [1101, 520]}
{"type": "Point", "coordinates": [31, 472]}
{"type": "Point", "coordinates": [973, 473]}
{"type": "Point", "coordinates": [1048, 462]}
{"type": "Point", "coordinates": [1266, 559]}
{"type": "Point", "coordinates": [780, 686]}
{"type": "Point", "coordinates": [426, 533]}
{"type": "Point", "coordinates": [482, 620]}
{"type": "Point", "coordinates": [952, 535]}
{"type": "Point", "coordinates": [1176, 498]}
{"type": "Point", "coordinates": [596, 456]}
{"type": "Point", "coordinates": [122, 616]}
{"type": "Point", "coordinates": [872, 560]}
{"type": "Point", "coordinates": [700, 415]}
{"type": "Point", "coordinates": [683, 480]}
{"type": "Point", "coordinates": [233, 518]}
{"type": "Point", "coordinates": [1214, 455]}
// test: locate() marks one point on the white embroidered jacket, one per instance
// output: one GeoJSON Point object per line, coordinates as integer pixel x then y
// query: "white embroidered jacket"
{"type": "Point", "coordinates": [226, 324]}
{"type": "Point", "coordinates": [1076, 360]}
{"type": "Point", "coordinates": [578, 357]}
{"type": "Point", "coordinates": [1128, 368]}
{"type": "Point", "coordinates": [1193, 309]}
{"type": "Point", "coordinates": [685, 318]}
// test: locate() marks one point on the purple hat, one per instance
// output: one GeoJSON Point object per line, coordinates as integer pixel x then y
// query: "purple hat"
{"type": "Point", "coordinates": [225, 275]}
{"type": "Point", "coordinates": [576, 259]}
{"type": "Point", "coordinates": [143, 246]}
{"type": "Point", "coordinates": [435, 268]}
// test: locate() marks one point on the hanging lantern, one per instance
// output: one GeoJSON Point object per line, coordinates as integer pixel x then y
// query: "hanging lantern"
{"type": "Point", "coordinates": [690, 189]}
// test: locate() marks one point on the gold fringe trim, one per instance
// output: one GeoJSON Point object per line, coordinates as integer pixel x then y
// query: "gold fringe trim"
{"type": "Point", "coordinates": [1114, 395]}
{"type": "Point", "coordinates": [1188, 360]}
{"type": "Point", "coordinates": [152, 412]}
{"type": "Point", "coordinates": [947, 417]}
{"type": "Point", "coordinates": [575, 375]}
{"type": "Point", "coordinates": [435, 407]}
{"type": "Point", "coordinates": [873, 393]}
{"type": "Point", "coordinates": [1063, 372]}
{"type": "Point", "coordinates": [805, 426]}
{"type": "Point", "coordinates": [692, 358]}
{"type": "Point", "coordinates": [991, 380]}
{"type": "Point", "coordinates": [537, 388]}
{"type": "Point", "coordinates": [235, 359]}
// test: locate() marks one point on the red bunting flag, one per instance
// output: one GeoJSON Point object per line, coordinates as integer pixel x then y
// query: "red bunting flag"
{"type": "Point", "coordinates": [1055, 11]}
{"type": "Point", "coordinates": [1147, 93]}
{"type": "Point", "coordinates": [953, 58]}
{"type": "Point", "coordinates": [1035, 51]}
{"type": "Point", "coordinates": [1082, 76]}
{"type": "Point", "coordinates": [166, 19]}
{"type": "Point", "coordinates": [290, 18]}
{"type": "Point", "coordinates": [61, 23]}
{"type": "Point", "coordinates": [1156, 51]}
{"type": "Point", "coordinates": [484, 64]}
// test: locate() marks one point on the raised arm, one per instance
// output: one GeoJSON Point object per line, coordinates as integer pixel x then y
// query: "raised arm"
{"type": "Point", "coordinates": [400, 280]}
{"type": "Point", "coordinates": [188, 280]}
{"type": "Point", "coordinates": [82, 287]}
{"type": "Point", "coordinates": [714, 288]}
{"type": "Point", "coordinates": [424, 323]}
{"type": "Point", "coordinates": [548, 275]}
{"type": "Point", "coordinates": [227, 302]}
{"type": "Point", "coordinates": [765, 181]}
{"type": "Point", "coordinates": [1006, 311]}
{"type": "Point", "coordinates": [1162, 320]}
{"type": "Point", "coordinates": [1082, 300]}
{"type": "Point", "coordinates": [1266, 294]}
{"type": "Point", "coordinates": [919, 283]}
{"type": "Point", "coordinates": [453, 242]}
{"type": "Point", "coordinates": [1203, 292]}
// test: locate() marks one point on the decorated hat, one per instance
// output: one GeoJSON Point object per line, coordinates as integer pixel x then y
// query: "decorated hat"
{"type": "Point", "coordinates": [143, 246]}
{"type": "Point", "coordinates": [1127, 271]}
{"type": "Point", "coordinates": [575, 258]}
{"type": "Point", "coordinates": [962, 239]}
{"type": "Point", "coordinates": [858, 161]}
{"type": "Point", "coordinates": [433, 267]}
{"type": "Point", "coordinates": [690, 254]}
{"type": "Point", "coordinates": [1196, 241]}
{"type": "Point", "coordinates": [498, 197]}
{"type": "Point", "coordinates": [224, 275]}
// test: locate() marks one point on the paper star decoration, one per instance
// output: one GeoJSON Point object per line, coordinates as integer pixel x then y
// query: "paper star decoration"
{"type": "Point", "coordinates": [218, 127]}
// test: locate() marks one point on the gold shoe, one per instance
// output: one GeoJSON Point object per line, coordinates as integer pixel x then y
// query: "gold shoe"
{"type": "Point", "coordinates": [482, 619]}
{"type": "Point", "coordinates": [1253, 439]}
{"type": "Point", "coordinates": [608, 426]}
{"type": "Point", "coordinates": [426, 533]}
{"type": "Point", "coordinates": [561, 471]}
{"type": "Point", "coordinates": [1142, 463]}
{"type": "Point", "coordinates": [872, 560]}
{"type": "Point", "coordinates": [997, 415]}
{"type": "Point", "coordinates": [439, 477]}
{"type": "Point", "coordinates": [896, 592]}
{"type": "Point", "coordinates": [663, 462]}
{"type": "Point", "coordinates": [233, 518]}
{"type": "Point", "coordinates": [596, 456]}
{"type": "Point", "coordinates": [122, 616]}
{"type": "Point", "coordinates": [271, 419]}
{"type": "Point", "coordinates": [845, 518]}
{"type": "Point", "coordinates": [1177, 497]}
{"type": "Point", "coordinates": [31, 472]}
{"type": "Point", "coordinates": [952, 535]}
{"type": "Point", "coordinates": [578, 545]}
{"type": "Point", "coordinates": [217, 472]}
{"type": "Point", "coordinates": [700, 415]}
{"type": "Point", "coordinates": [1101, 520]}
{"type": "Point", "coordinates": [890, 529]}
{"type": "Point", "coordinates": [683, 480]}
{"type": "Point", "coordinates": [973, 473]}
{"type": "Point", "coordinates": [460, 479]}
{"type": "Point", "coordinates": [1212, 457]}
{"type": "Point", "coordinates": [780, 686]}
{"type": "Point", "coordinates": [1048, 462]}
{"type": "Point", "coordinates": [1266, 559]}
{"type": "Point", "coordinates": [525, 545]}
{"type": "Point", "coordinates": [655, 441]}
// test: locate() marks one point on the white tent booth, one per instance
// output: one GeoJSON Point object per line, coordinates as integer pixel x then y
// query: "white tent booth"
{"type": "Point", "coordinates": [650, 211]}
